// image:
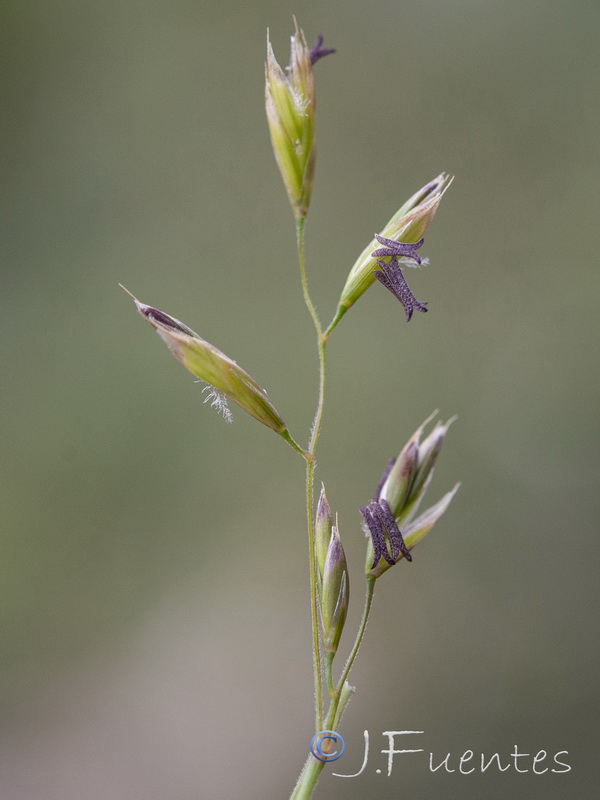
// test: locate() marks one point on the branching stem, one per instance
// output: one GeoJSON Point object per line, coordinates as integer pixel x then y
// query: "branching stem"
{"type": "Point", "coordinates": [310, 478]}
{"type": "Point", "coordinates": [313, 767]}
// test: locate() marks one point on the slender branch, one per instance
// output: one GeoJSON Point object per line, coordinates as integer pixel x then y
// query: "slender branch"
{"type": "Point", "coordinates": [359, 636]}
{"type": "Point", "coordinates": [333, 324]}
{"type": "Point", "coordinates": [309, 303]}
{"type": "Point", "coordinates": [294, 445]}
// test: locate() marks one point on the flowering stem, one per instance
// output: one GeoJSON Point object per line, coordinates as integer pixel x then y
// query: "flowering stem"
{"type": "Point", "coordinates": [310, 475]}
{"type": "Point", "coordinates": [313, 767]}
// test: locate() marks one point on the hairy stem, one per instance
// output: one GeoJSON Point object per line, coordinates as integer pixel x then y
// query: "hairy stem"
{"type": "Point", "coordinates": [309, 303]}
{"type": "Point", "coordinates": [317, 671]}
{"type": "Point", "coordinates": [310, 477]}
{"type": "Point", "coordinates": [329, 674]}
{"type": "Point", "coordinates": [307, 781]}
{"type": "Point", "coordinates": [312, 769]}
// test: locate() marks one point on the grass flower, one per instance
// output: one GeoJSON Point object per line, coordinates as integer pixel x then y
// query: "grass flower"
{"type": "Point", "coordinates": [290, 107]}
{"type": "Point", "coordinates": [334, 593]}
{"type": "Point", "coordinates": [389, 518]}
{"type": "Point", "coordinates": [406, 228]}
{"type": "Point", "coordinates": [225, 379]}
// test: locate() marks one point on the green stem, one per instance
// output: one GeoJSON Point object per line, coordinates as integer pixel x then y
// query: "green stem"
{"type": "Point", "coordinates": [307, 781]}
{"type": "Point", "coordinates": [333, 324]}
{"type": "Point", "coordinates": [316, 427]}
{"type": "Point", "coordinates": [309, 303]}
{"type": "Point", "coordinates": [313, 767]}
{"type": "Point", "coordinates": [329, 674]}
{"type": "Point", "coordinates": [317, 673]}
{"type": "Point", "coordinates": [310, 478]}
{"type": "Point", "coordinates": [285, 434]}
{"type": "Point", "coordinates": [359, 636]}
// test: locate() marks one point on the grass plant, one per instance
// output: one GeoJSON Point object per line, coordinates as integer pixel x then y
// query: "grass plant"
{"type": "Point", "coordinates": [391, 519]}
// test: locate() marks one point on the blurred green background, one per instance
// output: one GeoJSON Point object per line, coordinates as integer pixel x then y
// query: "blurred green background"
{"type": "Point", "coordinates": [153, 585]}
